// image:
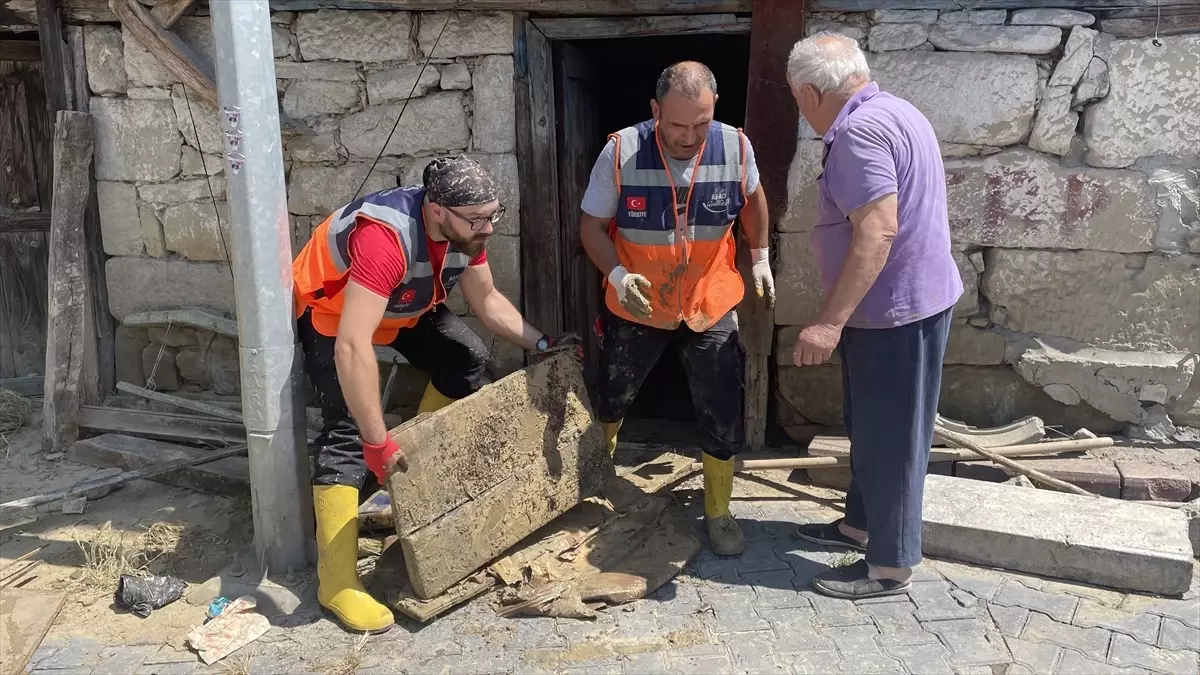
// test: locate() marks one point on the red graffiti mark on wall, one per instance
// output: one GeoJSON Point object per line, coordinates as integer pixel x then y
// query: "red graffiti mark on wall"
{"type": "Point", "coordinates": [1081, 207]}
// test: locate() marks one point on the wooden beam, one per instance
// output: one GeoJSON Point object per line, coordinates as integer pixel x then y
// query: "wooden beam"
{"type": "Point", "coordinates": [174, 54]}
{"type": "Point", "coordinates": [771, 122]}
{"type": "Point", "coordinates": [20, 50]}
{"type": "Point", "coordinates": [159, 425]}
{"type": "Point", "coordinates": [54, 56]}
{"type": "Point", "coordinates": [641, 26]}
{"type": "Point", "coordinates": [167, 13]}
{"type": "Point", "coordinates": [537, 163]}
{"type": "Point", "coordinates": [229, 476]}
{"type": "Point", "coordinates": [33, 385]}
{"type": "Point", "coordinates": [67, 331]}
{"type": "Point", "coordinates": [26, 221]}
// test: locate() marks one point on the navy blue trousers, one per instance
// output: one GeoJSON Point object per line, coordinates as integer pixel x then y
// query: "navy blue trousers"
{"type": "Point", "coordinates": [891, 378]}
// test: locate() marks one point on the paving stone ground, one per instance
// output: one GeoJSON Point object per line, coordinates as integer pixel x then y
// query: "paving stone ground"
{"type": "Point", "coordinates": [749, 615]}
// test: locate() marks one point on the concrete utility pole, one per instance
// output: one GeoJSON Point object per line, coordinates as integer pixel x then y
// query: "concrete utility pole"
{"type": "Point", "coordinates": [261, 260]}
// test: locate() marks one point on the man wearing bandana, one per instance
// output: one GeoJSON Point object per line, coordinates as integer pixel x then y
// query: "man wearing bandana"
{"type": "Point", "coordinates": [377, 272]}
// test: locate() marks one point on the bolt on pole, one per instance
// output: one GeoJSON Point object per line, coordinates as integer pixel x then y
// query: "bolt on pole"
{"type": "Point", "coordinates": [261, 258]}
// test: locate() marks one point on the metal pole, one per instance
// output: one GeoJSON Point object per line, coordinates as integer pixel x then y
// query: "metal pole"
{"type": "Point", "coordinates": [261, 259]}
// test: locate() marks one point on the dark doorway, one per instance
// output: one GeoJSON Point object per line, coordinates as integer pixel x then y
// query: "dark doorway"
{"type": "Point", "coordinates": [602, 86]}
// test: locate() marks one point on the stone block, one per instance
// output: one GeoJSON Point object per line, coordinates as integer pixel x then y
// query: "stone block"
{"type": "Point", "coordinates": [980, 17]}
{"type": "Point", "coordinates": [1109, 381]}
{"type": "Point", "coordinates": [1093, 85]}
{"type": "Point", "coordinates": [467, 34]}
{"type": "Point", "coordinates": [1006, 39]}
{"type": "Point", "coordinates": [128, 346]}
{"type": "Point", "coordinates": [401, 82]}
{"type": "Point", "coordinates": [968, 302]}
{"type": "Point", "coordinates": [1156, 482]}
{"type": "Point", "coordinates": [1103, 542]}
{"type": "Point", "coordinates": [854, 31]}
{"type": "Point", "coordinates": [1192, 512]}
{"type": "Point", "coordinates": [1128, 652]}
{"type": "Point", "coordinates": [222, 366]}
{"type": "Point", "coordinates": [282, 41]}
{"type": "Point", "coordinates": [180, 191]}
{"type": "Point", "coordinates": [178, 336]}
{"type": "Point", "coordinates": [798, 290]}
{"type": "Point", "coordinates": [926, 16]}
{"type": "Point", "coordinates": [1058, 606]}
{"type": "Point", "coordinates": [1063, 18]}
{"type": "Point", "coordinates": [152, 232]}
{"type": "Point", "coordinates": [358, 35]}
{"type": "Point", "coordinates": [1149, 109]}
{"type": "Point", "coordinates": [104, 55]}
{"type": "Point", "coordinates": [192, 163]}
{"type": "Point", "coordinates": [312, 98]}
{"type": "Point", "coordinates": [320, 190]}
{"type": "Point", "coordinates": [1054, 126]}
{"type": "Point", "coordinates": [964, 150]}
{"type": "Point", "coordinates": [198, 231]}
{"type": "Point", "coordinates": [158, 363]}
{"type": "Point", "coordinates": [1178, 636]}
{"type": "Point", "coordinates": [120, 228]}
{"type": "Point", "coordinates": [1176, 188]}
{"type": "Point", "coordinates": [815, 392]}
{"type": "Point", "coordinates": [1109, 300]}
{"type": "Point", "coordinates": [1143, 626]}
{"type": "Point", "coordinates": [135, 140]}
{"type": "Point", "coordinates": [504, 259]}
{"type": "Point", "coordinates": [435, 123]}
{"type": "Point", "coordinates": [142, 69]}
{"type": "Point", "coordinates": [802, 185]}
{"type": "Point", "coordinates": [888, 37]}
{"type": "Point", "coordinates": [996, 395]}
{"type": "Point", "coordinates": [318, 148]}
{"type": "Point", "coordinates": [1020, 199]}
{"type": "Point", "coordinates": [1077, 54]}
{"type": "Point", "coordinates": [146, 284]}
{"type": "Point", "coordinates": [455, 76]}
{"type": "Point", "coordinates": [199, 122]}
{"type": "Point", "coordinates": [495, 105]}
{"type": "Point", "coordinates": [1098, 476]}
{"type": "Point", "coordinates": [473, 495]}
{"type": "Point", "coordinates": [973, 346]}
{"type": "Point", "coordinates": [981, 99]}
{"type": "Point", "coordinates": [332, 71]}
{"type": "Point", "coordinates": [190, 361]}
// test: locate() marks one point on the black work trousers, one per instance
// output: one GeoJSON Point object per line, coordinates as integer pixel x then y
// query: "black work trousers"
{"type": "Point", "coordinates": [440, 344]}
{"type": "Point", "coordinates": [714, 362]}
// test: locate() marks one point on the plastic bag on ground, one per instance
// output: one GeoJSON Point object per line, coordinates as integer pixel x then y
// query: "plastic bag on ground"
{"type": "Point", "coordinates": [141, 595]}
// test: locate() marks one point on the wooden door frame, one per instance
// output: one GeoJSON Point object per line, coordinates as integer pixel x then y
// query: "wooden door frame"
{"type": "Point", "coordinates": [771, 120]}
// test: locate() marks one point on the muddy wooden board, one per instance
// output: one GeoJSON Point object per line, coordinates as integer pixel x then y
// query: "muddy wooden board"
{"type": "Point", "coordinates": [25, 618]}
{"type": "Point", "coordinates": [490, 469]}
{"type": "Point", "coordinates": [227, 476]}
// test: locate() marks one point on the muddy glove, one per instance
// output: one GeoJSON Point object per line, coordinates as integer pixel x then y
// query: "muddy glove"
{"type": "Point", "coordinates": [631, 291]}
{"type": "Point", "coordinates": [383, 458]}
{"type": "Point", "coordinates": [764, 281]}
{"type": "Point", "coordinates": [548, 346]}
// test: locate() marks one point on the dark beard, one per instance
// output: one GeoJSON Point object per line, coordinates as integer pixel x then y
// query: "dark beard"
{"type": "Point", "coordinates": [471, 246]}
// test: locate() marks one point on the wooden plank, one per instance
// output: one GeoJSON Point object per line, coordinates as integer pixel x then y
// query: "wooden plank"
{"type": "Point", "coordinates": [193, 318]}
{"type": "Point", "coordinates": [537, 162]}
{"type": "Point", "coordinates": [25, 221]}
{"type": "Point", "coordinates": [180, 402]}
{"type": "Point", "coordinates": [19, 189]}
{"type": "Point", "coordinates": [488, 470]}
{"type": "Point", "coordinates": [54, 56]}
{"type": "Point", "coordinates": [579, 139]}
{"type": "Point", "coordinates": [167, 13]}
{"type": "Point", "coordinates": [25, 617]}
{"type": "Point", "coordinates": [1140, 28]}
{"type": "Point", "coordinates": [34, 385]}
{"type": "Point", "coordinates": [536, 7]}
{"type": "Point", "coordinates": [20, 50]}
{"type": "Point", "coordinates": [162, 426]}
{"type": "Point", "coordinates": [771, 122]}
{"type": "Point", "coordinates": [174, 54]}
{"type": "Point", "coordinates": [593, 28]}
{"type": "Point", "coordinates": [229, 476]}
{"type": "Point", "coordinates": [22, 304]}
{"type": "Point", "coordinates": [67, 331]}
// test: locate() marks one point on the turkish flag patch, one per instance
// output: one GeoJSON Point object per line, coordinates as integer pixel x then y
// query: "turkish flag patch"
{"type": "Point", "coordinates": [635, 203]}
{"type": "Point", "coordinates": [408, 296]}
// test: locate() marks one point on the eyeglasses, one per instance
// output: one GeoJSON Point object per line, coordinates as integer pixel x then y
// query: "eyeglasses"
{"type": "Point", "coordinates": [478, 224]}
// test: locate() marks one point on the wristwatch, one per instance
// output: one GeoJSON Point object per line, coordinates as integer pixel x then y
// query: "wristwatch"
{"type": "Point", "coordinates": [543, 344]}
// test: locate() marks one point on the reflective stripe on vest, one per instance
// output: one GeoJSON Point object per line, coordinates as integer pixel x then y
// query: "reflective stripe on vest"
{"type": "Point", "coordinates": [400, 210]}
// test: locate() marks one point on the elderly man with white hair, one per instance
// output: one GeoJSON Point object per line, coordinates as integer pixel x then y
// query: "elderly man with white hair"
{"type": "Point", "coordinates": [882, 247]}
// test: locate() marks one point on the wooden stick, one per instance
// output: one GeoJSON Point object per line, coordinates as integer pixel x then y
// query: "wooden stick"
{"type": "Point", "coordinates": [180, 402]}
{"type": "Point", "coordinates": [16, 578]}
{"type": "Point", "coordinates": [968, 443]}
{"type": "Point", "coordinates": [121, 479]}
{"type": "Point", "coordinates": [3, 572]}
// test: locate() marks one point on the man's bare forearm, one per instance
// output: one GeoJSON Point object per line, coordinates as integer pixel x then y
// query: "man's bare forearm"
{"type": "Point", "coordinates": [505, 321]}
{"type": "Point", "coordinates": [358, 373]}
{"type": "Point", "coordinates": [754, 219]}
{"type": "Point", "coordinates": [868, 254]}
{"type": "Point", "coordinates": [598, 245]}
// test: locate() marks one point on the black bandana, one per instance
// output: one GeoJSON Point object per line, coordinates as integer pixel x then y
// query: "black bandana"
{"type": "Point", "coordinates": [458, 181]}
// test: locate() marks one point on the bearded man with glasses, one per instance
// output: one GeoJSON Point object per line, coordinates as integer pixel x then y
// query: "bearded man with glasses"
{"type": "Point", "coordinates": [377, 272]}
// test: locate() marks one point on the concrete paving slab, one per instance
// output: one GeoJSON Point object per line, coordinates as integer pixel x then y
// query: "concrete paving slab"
{"type": "Point", "coordinates": [1091, 539]}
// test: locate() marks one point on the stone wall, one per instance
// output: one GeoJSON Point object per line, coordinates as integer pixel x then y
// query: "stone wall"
{"type": "Point", "coordinates": [342, 78]}
{"type": "Point", "coordinates": [1072, 171]}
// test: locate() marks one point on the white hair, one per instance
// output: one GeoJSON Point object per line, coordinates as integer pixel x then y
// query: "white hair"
{"type": "Point", "coordinates": [830, 62]}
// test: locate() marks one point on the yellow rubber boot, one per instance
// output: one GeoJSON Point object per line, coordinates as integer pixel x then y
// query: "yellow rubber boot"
{"type": "Point", "coordinates": [724, 534]}
{"type": "Point", "coordinates": [433, 400]}
{"type": "Point", "coordinates": [339, 589]}
{"type": "Point", "coordinates": [610, 435]}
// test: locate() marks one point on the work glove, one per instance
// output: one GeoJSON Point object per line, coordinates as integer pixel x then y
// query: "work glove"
{"type": "Point", "coordinates": [383, 458]}
{"type": "Point", "coordinates": [631, 291]}
{"type": "Point", "coordinates": [760, 269]}
{"type": "Point", "coordinates": [557, 344]}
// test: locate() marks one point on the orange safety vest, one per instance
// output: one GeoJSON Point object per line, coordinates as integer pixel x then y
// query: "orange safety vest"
{"type": "Point", "coordinates": [320, 270]}
{"type": "Point", "coordinates": [689, 259]}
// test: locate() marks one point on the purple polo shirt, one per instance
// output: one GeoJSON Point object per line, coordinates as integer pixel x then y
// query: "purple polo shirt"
{"type": "Point", "coordinates": [879, 145]}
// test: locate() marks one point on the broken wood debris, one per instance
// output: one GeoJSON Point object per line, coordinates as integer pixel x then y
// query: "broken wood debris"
{"type": "Point", "coordinates": [25, 617]}
{"type": "Point", "coordinates": [228, 476]}
{"type": "Point", "coordinates": [180, 402]}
